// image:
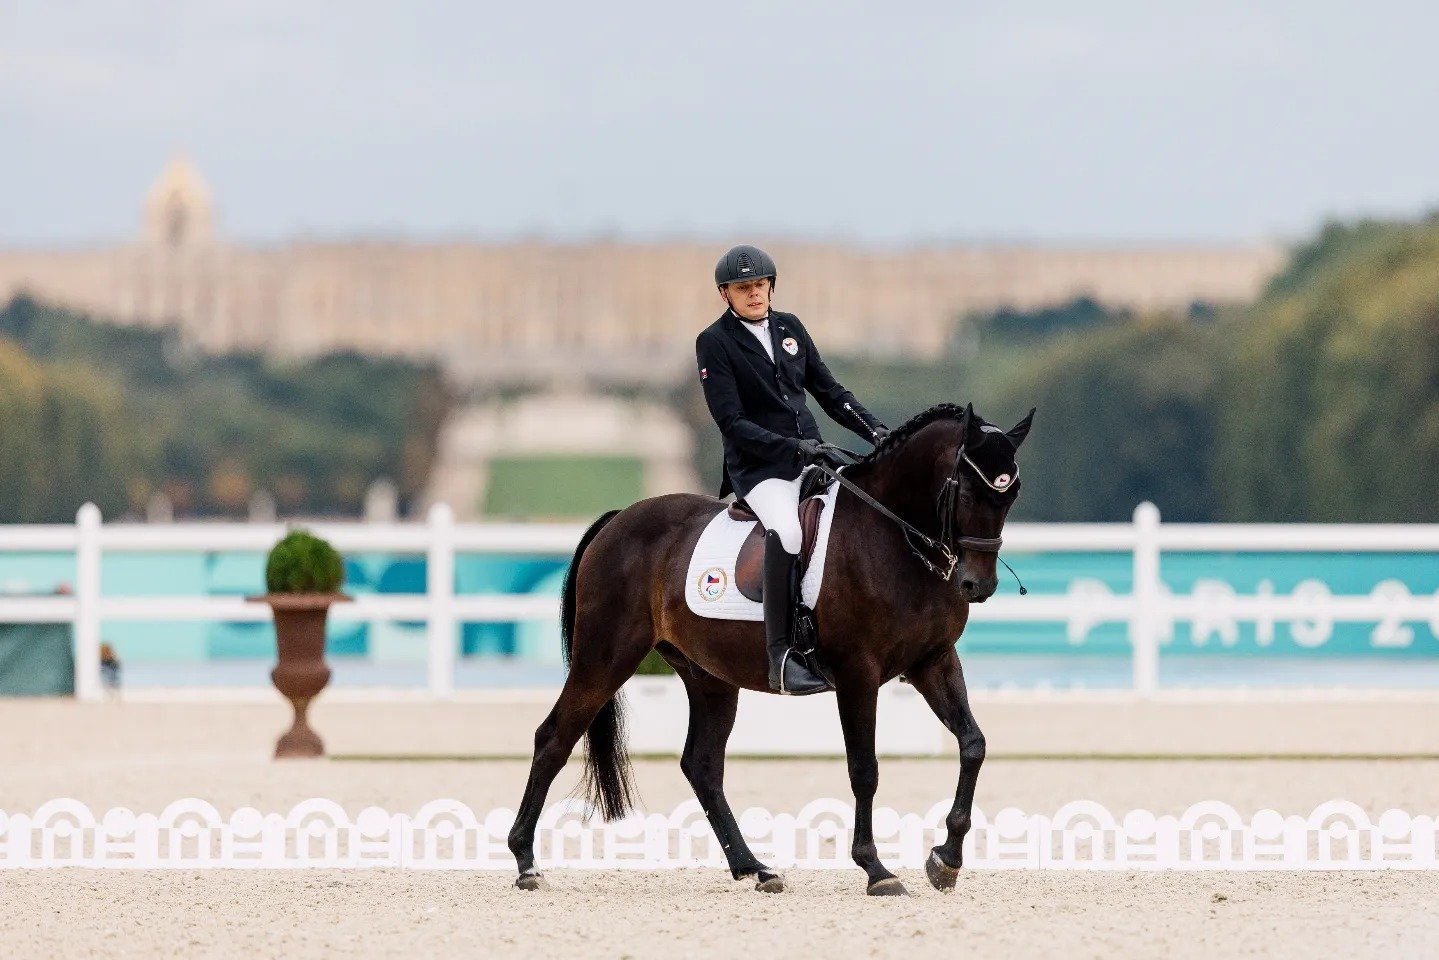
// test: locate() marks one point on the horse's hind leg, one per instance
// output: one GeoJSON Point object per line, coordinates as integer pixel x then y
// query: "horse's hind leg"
{"type": "Point", "coordinates": [941, 682]}
{"type": "Point", "coordinates": [712, 715]}
{"type": "Point", "coordinates": [592, 683]}
{"type": "Point", "coordinates": [554, 741]}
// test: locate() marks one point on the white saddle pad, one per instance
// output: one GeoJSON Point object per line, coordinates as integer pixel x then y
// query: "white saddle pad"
{"type": "Point", "coordinates": [710, 589]}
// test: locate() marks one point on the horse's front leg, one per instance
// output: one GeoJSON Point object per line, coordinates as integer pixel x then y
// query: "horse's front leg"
{"type": "Point", "coordinates": [856, 716]}
{"type": "Point", "coordinates": [941, 682]}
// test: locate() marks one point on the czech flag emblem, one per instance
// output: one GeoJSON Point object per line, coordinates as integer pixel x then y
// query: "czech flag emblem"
{"type": "Point", "coordinates": [712, 583]}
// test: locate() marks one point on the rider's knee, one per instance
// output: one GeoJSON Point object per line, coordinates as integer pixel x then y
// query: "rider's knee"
{"type": "Point", "coordinates": [789, 536]}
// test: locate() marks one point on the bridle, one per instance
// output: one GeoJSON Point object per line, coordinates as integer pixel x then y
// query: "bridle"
{"type": "Point", "coordinates": [949, 503]}
{"type": "Point", "coordinates": [951, 541]}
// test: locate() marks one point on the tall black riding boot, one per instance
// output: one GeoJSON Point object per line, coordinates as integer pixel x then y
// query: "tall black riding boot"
{"type": "Point", "coordinates": [789, 670]}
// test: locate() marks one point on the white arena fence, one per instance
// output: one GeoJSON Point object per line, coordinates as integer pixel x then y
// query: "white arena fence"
{"type": "Point", "coordinates": [1149, 610]}
{"type": "Point", "coordinates": [191, 834]}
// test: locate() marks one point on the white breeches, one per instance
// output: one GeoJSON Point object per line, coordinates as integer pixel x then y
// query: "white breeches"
{"type": "Point", "coordinates": [776, 503]}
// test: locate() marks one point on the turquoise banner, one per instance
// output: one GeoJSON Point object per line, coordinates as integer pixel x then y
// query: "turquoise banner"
{"type": "Point", "coordinates": [1092, 576]}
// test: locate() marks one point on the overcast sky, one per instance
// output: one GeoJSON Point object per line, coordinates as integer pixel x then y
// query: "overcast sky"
{"type": "Point", "coordinates": [893, 122]}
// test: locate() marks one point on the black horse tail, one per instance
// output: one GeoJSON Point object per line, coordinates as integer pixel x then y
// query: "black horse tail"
{"type": "Point", "coordinates": [608, 781]}
{"type": "Point", "coordinates": [572, 575]}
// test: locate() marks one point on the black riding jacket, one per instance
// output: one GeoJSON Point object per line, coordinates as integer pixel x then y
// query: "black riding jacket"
{"type": "Point", "coordinates": [759, 405]}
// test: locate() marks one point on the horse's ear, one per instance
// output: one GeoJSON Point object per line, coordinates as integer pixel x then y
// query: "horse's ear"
{"type": "Point", "coordinates": [966, 422]}
{"type": "Point", "coordinates": [1020, 430]}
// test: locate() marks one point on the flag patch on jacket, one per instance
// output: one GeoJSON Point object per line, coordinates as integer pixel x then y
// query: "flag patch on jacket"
{"type": "Point", "coordinates": [704, 373]}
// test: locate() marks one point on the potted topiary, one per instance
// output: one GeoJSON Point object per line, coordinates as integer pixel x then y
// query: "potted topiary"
{"type": "Point", "coordinates": [303, 575]}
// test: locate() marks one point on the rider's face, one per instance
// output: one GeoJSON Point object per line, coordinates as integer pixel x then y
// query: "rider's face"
{"type": "Point", "coordinates": [748, 298]}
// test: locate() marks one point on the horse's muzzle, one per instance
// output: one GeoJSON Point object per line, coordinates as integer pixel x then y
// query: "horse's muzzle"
{"type": "Point", "coordinates": [978, 591]}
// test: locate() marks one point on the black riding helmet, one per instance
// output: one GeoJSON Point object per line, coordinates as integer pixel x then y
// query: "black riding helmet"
{"type": "Point", "coordinates": [744, 262]}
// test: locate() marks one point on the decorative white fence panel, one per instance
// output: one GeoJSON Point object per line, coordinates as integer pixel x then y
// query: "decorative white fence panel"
{"type": "Point", "coordinates": [191, 834]}
{"type": "Point", "coordinates": [1149, 610]}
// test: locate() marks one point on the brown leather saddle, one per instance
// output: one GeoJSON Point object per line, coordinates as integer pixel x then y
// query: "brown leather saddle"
{"type": "Point", "coordinates": [749, 565]}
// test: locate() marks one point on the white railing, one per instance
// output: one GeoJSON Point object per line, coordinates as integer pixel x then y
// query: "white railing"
{"type": "Point", "coordinates": [1149, 610]}
{"type": "Point", "coordinates": [438, 540]}
{"type": "Point", "coordinates": [192, 834]}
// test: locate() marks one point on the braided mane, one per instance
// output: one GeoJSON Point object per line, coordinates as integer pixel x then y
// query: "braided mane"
{"type": "Point", "coordinates": [898, 437]}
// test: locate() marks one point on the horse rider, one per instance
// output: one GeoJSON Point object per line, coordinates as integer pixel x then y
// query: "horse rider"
{"type": "Point", "coordinates": [755, 365]}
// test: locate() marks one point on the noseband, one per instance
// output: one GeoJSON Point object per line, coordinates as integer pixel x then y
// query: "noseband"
{"type": "Point", "coordinates": [951, 542]}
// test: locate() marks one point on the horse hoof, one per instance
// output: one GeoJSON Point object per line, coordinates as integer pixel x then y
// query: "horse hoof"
{"type": "Point", "coordinates": [770, 883]}
{"type": "Point", "coordinates": [888, 887]}
{"type": "Point", "coordinates": [941, 875]}
{"type": "Point", "coordinates": [532, 881]}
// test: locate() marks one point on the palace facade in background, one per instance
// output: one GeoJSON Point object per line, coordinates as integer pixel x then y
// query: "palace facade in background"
{"type": "Point", "coordinates": [521, 310]}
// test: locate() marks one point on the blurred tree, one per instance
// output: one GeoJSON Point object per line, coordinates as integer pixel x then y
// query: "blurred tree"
{"type": "Point", "coordinates": [1334, 383]}
{"type": "Point", "coordinates": [21, 396]}
{"type": "Point", "coordinates": [61, 442]}
{"type": "Point", "coordinates": [1319, 402]}
{"type": "Point", "coordinates": [204, 429]}
{"type": "Point", "coordinates": [230, 486]}
{"type": "Point", "coordinates": [1008, 325]}
{"type": "Point", "coordinates": [1125, 415]}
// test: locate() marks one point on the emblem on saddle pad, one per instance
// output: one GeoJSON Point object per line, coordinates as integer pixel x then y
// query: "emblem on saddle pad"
{"type": "Point", "coordinates": [791, 346]}
{"type": "Point", "coordinates": [712, 583]}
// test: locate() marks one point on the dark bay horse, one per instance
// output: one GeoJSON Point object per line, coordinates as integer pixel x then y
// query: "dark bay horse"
{"type": "Point", "coordinates": [886, 611]}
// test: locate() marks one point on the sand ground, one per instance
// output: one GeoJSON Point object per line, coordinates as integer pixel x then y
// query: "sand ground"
{"type": "Point", "coordinates": [145, 756]}
{"type": "Point", "coordinates": [704, 914]}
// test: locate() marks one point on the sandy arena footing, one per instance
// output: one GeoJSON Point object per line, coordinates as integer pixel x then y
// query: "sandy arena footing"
{"type": "Point", "coordinates": [143, 756]}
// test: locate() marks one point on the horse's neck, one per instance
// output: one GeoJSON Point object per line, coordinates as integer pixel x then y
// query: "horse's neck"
{"type": "Point", "coordinates": [902, 484]}
{"type": "Point", "coordinates": [873, 547]}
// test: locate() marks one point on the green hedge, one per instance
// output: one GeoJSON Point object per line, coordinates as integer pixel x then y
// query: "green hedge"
{"type": "Point", "coordinates": [303, 563]}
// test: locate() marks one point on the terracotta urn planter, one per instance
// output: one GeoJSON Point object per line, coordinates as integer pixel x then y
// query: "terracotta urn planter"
{"type": "Point", "coordinates": [301, 672]}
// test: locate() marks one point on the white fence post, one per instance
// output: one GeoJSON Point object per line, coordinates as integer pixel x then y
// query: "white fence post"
{"type": "Point", "coordinates": [87, 603]}
{"type": "Point", "coordinates": [440, 576]}
{"type": "Point", "coordinates": [1148, 596]}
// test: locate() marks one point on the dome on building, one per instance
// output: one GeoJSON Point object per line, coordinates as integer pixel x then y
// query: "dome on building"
{"type": "Point", "coordinates": [178, 211]}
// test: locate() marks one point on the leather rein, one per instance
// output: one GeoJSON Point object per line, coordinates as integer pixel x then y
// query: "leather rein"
{"type": "Point", "coordinates": [950, 541]}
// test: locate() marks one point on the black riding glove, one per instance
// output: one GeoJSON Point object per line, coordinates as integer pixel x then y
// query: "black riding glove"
{"type": "Point", "coordinates": [807, 452]}
{"type": "Point", "coordinates": [880, 431]}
